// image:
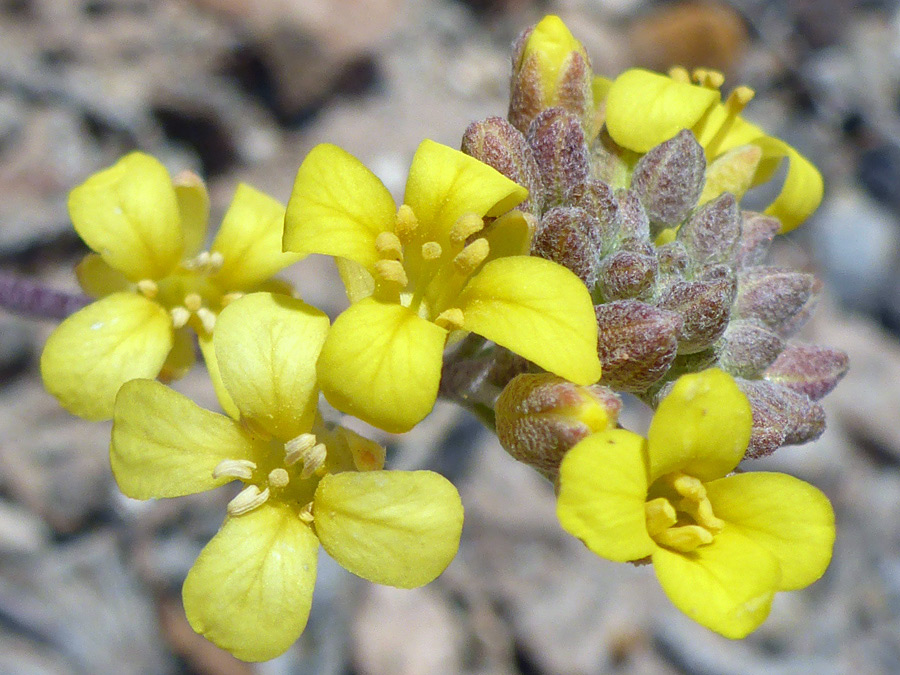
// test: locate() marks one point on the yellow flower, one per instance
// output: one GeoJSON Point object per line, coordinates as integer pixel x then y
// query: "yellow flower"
{"type": "Point", "coordinates": [153, 282]}
{"type": "Point", "coordinates": [251, 587]}
{"type": "Point", "coordinates": [721, 545]}
{"type": "Point", "coordinates": [644, 109]}
{"type": "Point", "coordinates": [416, 273]}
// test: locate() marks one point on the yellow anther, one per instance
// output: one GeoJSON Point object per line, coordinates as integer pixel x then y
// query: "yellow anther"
{"type": "Point", "coordinates": [207, 318]}
{"type": "Point", "coordinates": [391, 271]}
{"type": "Point", "coordinates": [431, 250]}
{"type": "Point", "coordinates": [306, 514]}
{"type": "Point", "coordinates": [680, 74]}
{"type": "Point", "coordinates": [247, 499]}
{"type": "Point", "coordinates": [702, 513]}
{"type": "Point", "coordinates": [216, 260]}
{"type": "Point", "coordinates": [148, 288]}
{"type": "Point", "coordinates": [738, 99]}
{"type": "Point", "coordinates": [278, 478]}
{"type": "Point", "coordinates": [467, 225]}
{"type": "Point", "coordinates": [688, 486]}
{"type": "Point", "coordinates": [711, 79]}
{"type": "Point", "coordinates": [389, 246]}
{"type": "Point", "coordinates": [313, 460]}
{"type": "Point", "coordinates": [180, 316]}
{"type": "Point", "coordinates": [660, 515]}
{"type": "Point", "coordinates": [684, 538]}
{"type": "Point", "coordinates": [228, 298]}
{"type": "Point", "coordinates": [468, 260]}
{"type": "Point", "coordinates": [296, 448]}
{"type": "Point", "coordinates": [406, 224]}
{"type": "Point", "coordinates": [451, 319]}
{"type": "Point", "coordinates": [234, 468]}
{"type": "Point", "coordinates": [193, 302]}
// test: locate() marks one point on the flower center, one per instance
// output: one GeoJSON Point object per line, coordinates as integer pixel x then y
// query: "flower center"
{"type": "Point", "coordinates": [681, 518]}
{"type": "Point", "coordinates": [427, 275]}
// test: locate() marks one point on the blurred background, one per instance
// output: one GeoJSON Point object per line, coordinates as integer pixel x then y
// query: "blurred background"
{"type": "Point", "coordinates": [240, 91]}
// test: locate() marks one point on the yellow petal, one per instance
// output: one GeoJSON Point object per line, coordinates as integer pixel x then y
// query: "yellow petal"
{"type": "Point", "coordinates": [266, 348]}
{"type": "Point", "coordinates": [732, 172]}
{"type": "Point", "coordinates": [193, 207]}
{"type": "Point", "coordinates": [444, 184]}
{"type": "Point", "coordinates": [251, 588]}
{"type": "Point", "coordinates": [97, 349]}
{"type": "Point", "coordinates": [212, 367]}
{"type": "Point", "coordinates": [128, 214]}
{"type": "Point", "coordinates": [97, 279]}
{"type": "Point", "coordinates": [165, 445]}
{"type": "Point", "coordinates": [399, 528]}
{"type": "Point", "coordinates": [803, 188]}
{"type": "Point", "coordinates": [701, 428]}
{"type": "Point", "coordinates": [790, 518]}
{"type": "Point", "coordinates": [510, 234]}
{"type": "Point", "coordinates": [250, 240]}
{"type": "Point", "coordinates": [382, 363]}
{"type": "Point", "coordinates": [643, 108]}
{"type": "Point", "coordinates": [602, 491]}
{"type": "Point", "coordinates": [181, 358]}
{"type": "Point", "coordinates": [727, 585]}
{"type": "Point", "coordinates": [537, 309]}
{"type": "Point", "coordinates": [337, 207]}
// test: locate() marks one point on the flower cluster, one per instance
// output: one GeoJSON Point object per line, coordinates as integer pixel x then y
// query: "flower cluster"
{"type": "Point", "coordinates": [592, 243]}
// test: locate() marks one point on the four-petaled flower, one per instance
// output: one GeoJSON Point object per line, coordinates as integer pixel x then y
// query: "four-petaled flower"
{"type": "Point", "coordinates": [251, 587]}
{"type": "Point", "coordinates": [417, 273]}
{"type": "Point", "coordinates": [721, 545]}
{"type": "Point", "coordinates": [154, 282]}
{"type": "Point", "coordinates": [644, 109]}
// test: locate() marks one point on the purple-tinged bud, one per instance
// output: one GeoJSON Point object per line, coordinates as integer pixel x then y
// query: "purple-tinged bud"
{"type": "Point", "coordinates": [598, 199]}
{"type": "Point", "coordinates": [557, 141]}
{"type": "Point", "coordinates": [705, 307]}
{"type": "Point", "coordinates": [571, 237]}
{"type": "Point", "coordinates": [636, 343]}
{"type": "Point", "coordinates": [633, 219]}
{"type": "Point", "coordinates": [539, 417]}
{"type": "Point", "coordinates": [757, 233]}
{"type": "Point", "coordinates": [813, 370]}
{"type": "Point", "coordinates": [499, 144]}
{"type": "Point", "coordinates": [626, 274]}
{"type": "Point", "coordinates": [779, 299]}
{"type": "Point", "coordinates": [780, 417]}
{"type": "Point", "coordinates": [747, 349]}
{"type": "Point", "coordinates": [673, 262]}
{"type": "Point", "coordinates": [712, 233]}
{"type": "Point", "coordinates": [669, 180]}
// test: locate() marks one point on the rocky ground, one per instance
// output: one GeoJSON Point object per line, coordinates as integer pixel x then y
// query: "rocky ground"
{"type": "Point", "coordinates": [90, 581]}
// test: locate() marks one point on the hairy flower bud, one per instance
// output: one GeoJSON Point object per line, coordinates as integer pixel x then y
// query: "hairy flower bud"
{"type": "Point", "coordinates": [813, 370]}
{"type": "Point", "coordinates": [499, 144]}
{"type": "Point", "coordinates": [636, 343]}
{"type": "Point", "coordinates": [757, 233]}
{"type": "Point", "coordinates": [557, 141]}
{"type": "Point", "coordinates": [673, 261]}
{"type": "Point", "coordinates": [598, 199]}
{"type": "Point", "coordinates": [669, 179]}
{"type": "Point", "coordinates": [712, 233]}
{"type": "Point", "coordinates": [705, 307]}
{"type": "Point", "coordinates": [571, 237]}
{"type": "Point", "coordinates": [626, 274]}
{"type": "Point", "coordinates": [780, 417]}
{"type": "Point", "coordinates": [633, 219]}
{"type": "Point", "coordinates": [779, 299]}
{"type": "Point", "coordinates": [747, 349]}
{"type": "Point", "coordinates": [541, 416]}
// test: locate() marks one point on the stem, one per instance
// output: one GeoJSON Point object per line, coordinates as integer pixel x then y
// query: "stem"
{"type": "Point", "coordinates": [29, 298]}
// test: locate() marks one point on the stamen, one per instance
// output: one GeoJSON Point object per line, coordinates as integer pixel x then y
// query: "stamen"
{"type": "Point", "coordinates": [468, 260]}
{"type": "Point", "coordinates": [389, 246]}
{"type": "Point", "coordinates": [306, 514]}
{"type": "Point", "coordinates": [297, 447]}
{"type": "Point", "coordinates": [180, 316]}
{"type": "Point", "coordinates": [685, 538]}
{"type": "Point", "coordinates": [467, 225]}
{"type": "Point", "coordinates": [247, 499]}
{"type": "Point", "coordinates": [391, 271]}
{"type": "Point", "coordinates": [431, 250]}
{"type": "Point", "coordinates": [193, 301]}
{"type": "Point", "coordinates": [680, 74]}
{"type": "Point", "coordinates": [450, 319]}
{"type": "Point", "coordinates": [736, 102]}
{"type": "Point", "coordinates": [228, 298]}
{"type": "Point", "coordinates": [207, 318]}
{"type": "Point", "coordinates": [406, 224]}
{"type": "Point", "coordinates": [314, 460]}
{"type": "Point", "coordinates": [660, 514]}
{"type": "Point", "coordinates": [148, 288]}
{"type": "Point", "coordinates": [710, 79]}
{"type": "Point", "coordinates": [278, 478]}
{"type": "Point", "coordinates": [702, 512]}
{"type": "Point", "coordinates": [234, 468]}
{"type": "Point", "coordinates": [688, 486]}
{"type": "Point", "coordinates": [216, 260]}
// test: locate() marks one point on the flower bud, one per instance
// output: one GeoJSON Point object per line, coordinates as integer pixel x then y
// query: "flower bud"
{"type": "Point", "coordinates": [780, 417]}
{"type": "Point", "coordinates": [539, 417]}
{"type": "Point", "coordinates": [557, 141]}
{"type": "Point", "coordinates": [813, 370]}
{"type": "Point", "coordinates": [571, 237]}
{"type": "Point", "coordinates": [779, 299]}
{"type": "Point", "coordinates": [712, 233]}
{"type": "Point", "coordinates": [598, 199]}
{"type": "Point", "coordinates": [626, 274]}
{"type": "Point", "coordinates": [497, 143]}
{"type": "Point", "coordinates": [747, 349]}
{"type": "Point", "coordinates": [757, 233]}
{"type": "Point", "coordinates": [673, 262]}
{"type": "Point", "coordinates": [636, 343]}
{"type": "Point", "coordinates": [608, 161]}
{"type": "Point", "coordinates": [705, 307]}
{"type": "Point", "coordinates": [550, 68]}
{"type": "Point", "coordinates": [633, 219]}
{"type": "Point", "coordinates": [669, 179]}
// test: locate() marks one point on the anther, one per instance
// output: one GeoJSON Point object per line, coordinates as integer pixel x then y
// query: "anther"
{"type": "Point", "coordinates": [680, 74]}
{"type": "Point", "coordinates": [148, 288]}
{"type": "Point", "coordinates": [431, 250]}
{"type": "Point", "coordinates": [389, 246]}
{"type": "Point", "coordinates": [660, 515]}
{"type": "Point", "coordinates": [450, 319]}
{"type": "Point", "coordinates": [684, 538]}
{"type": "Point", "coordinates": [278, 478]}
{"type": "Point", "coordinates": [234, 468]}
{"type": "Point", "coordinates": [710, 79]}
{"type": "Point", "coordinates": [193, 301]}
{"type": "Point", "coordinates": [228, 298]}
{"type": "Point", "coordinates": [216, 260]}
{"type": "Point", "coordinates": [391, 271]}
{"type": "Point", "coordinates": [306, 514]}
{"type": "Point", "coordinates": [180, 316]}
{"type": "Point", "coordinates": [406, 224]}
{"type": "Point", "coordinates": [468, 260]}
{"type": "Point", "coordinates": [738, 99]}
{"type": "Point", "coordinates": [296, 448]}
{"type": "Point", "coordinates": [467, 225]}
{"type": "Point", "coordinates": [207, 318]}
{"type": "Point", "coordinates": [314, 460]}
{"type": "Point", "coordinates": [247, 499]}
